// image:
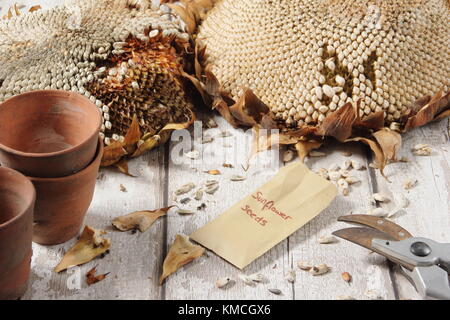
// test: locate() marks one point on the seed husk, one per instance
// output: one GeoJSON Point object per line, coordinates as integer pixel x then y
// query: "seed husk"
{"type": "Point", "coordinates": [305, 266]}
{"type": "Point", "coordinates": [327, 239]}
{"type": "Point", "coordinates": [212, 189]}
{"type": "Point", "coordinates": [409, 184]}
{"type": "Point", "coordinates": [198, 195]}
{"type": "Point", "coordinates": [380, 197]}
{"type": "Point", "coordinates": [185, 189]}
{"type": "Point", "coordinates": [237, 178]}
{"type": "Point", "coordinates": [185, 212]}
{"type": "Point", "coordinates": [194, 154]}
{"type": "Point", "coordinates": [378, 212]}
{"type": "Point", "coordinates": [288, 156]}
{"type": "Point", "coordinates": [275, 291]}
{"type": "Point", "coordinates": [222, 282]}
{"type": "Point", "coordinates": [319, 270]}
{"type": "Point", "coordinates": [290, 276]}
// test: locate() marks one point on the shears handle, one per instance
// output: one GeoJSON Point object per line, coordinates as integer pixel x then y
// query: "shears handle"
{"type": "Point", "coordinates": [431, 282]}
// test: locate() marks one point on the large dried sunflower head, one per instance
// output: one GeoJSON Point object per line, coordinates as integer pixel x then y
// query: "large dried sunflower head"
{"type": "Point", "coordinates": [125, 55]}
{"type": "Point", "coordinates": [306, 59]}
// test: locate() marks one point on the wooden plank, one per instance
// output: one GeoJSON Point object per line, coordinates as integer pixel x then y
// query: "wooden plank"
{"type": "Point", "coordinates": [197, 280]}
{"type": "Point", "coordinates": [133, 261]}
{"type": "Point", "coordinates": [428, 214]}
{"type": "Point", "coordinates": [370, 272]}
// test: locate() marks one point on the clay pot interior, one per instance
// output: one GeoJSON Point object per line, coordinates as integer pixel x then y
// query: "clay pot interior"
{"type": "Point", "coordinates": [47, 121]}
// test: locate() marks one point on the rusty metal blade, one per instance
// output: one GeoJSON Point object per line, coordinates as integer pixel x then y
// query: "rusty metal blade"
{"type": "Point", "coordinates": [392, 229]}
{"type": "Point", "coordinates": [364, 237]}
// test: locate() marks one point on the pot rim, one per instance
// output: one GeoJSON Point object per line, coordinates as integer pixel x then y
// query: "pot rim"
{"type": "Point", "coordinates": [60, 93]}
{"type": "Point", "coordinates": [97, 158]}
{"type": "Point", "coordinates": [30, 204]}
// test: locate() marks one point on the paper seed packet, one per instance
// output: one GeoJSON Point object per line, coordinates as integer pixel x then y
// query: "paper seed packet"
{"type": "Point", "coordinates": [267, 216]}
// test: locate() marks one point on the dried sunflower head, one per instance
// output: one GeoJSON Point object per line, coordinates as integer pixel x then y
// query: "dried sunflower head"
{"type": "Point", "coordinates": [125, 55]}
{"type": "Point", "coordinates": [307, 59]}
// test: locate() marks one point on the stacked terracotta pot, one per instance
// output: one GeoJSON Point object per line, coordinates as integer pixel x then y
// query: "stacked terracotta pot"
{"type": "Point", "coordinates": [50, 154]}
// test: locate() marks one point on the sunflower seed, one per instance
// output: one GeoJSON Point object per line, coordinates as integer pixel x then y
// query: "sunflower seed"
{"type": "Point", "coordinates": [334, 167]}
{"type": "Point", "coordinates": [352, 180]}
{"type": "Point", "coordinates": [358, 165]}
{"type": "Point", "coordinates": [222, 282]}
{"type": "Point", "coordinates": [198, 195]}
{"type": "Point", "coordinates": [305, 266]}
{"type": "Point", "coordinates": [237, 178]}
{"type": "Point", "coordinates": [290, 276]}
{"type": "Point", "coordinates": [122, 188]}
{"type": "Point", "coordinates": [373, 295]}
{"type": "Point", "coordinates": [347, 165]}
{"type": "Point", "coordinates": [380, 197]}
{"type": "Point", "coordinates": [316, 154]}
{"type": "Point", "coordinates": [256, 277]}
{"type": "Point", "coordinates": [210, 183]}
{"type": "Point", "coordinates": [224, 134]}
{"type": "Point", "coordinates": [194, 154]}
{"type": "Point", "coordinates": [185, 212]}
{"type": "Point", "coordinates": [319, 269]}
{"type": "Point", "coordinates": [378, 212]}
{"type": "Point", "coordinates": [346, 153]}
{"type": "Point", "coordinates": [288, 156]}
{"type": "Point", "coordinates": [211, 123]}
{"type": "Point", "coordinates": [227, 165]}
{"type": "Point", "coordinates": [275, 291]}
{"type": "Point", "coordinates": [409, 184]}
{"type": "Point", "coordinates": [207, 139]}
{"type": "Point", "coordinates": [212, 189]}
{"type": "Point", "coordinates": [246, 280]}
{"type": "Point", "coordinates": [185, 200]}
{"type": "Point", "coordinates": [185, 189]}
{"type": "Point", "coordinates": [334, 175]}
{"type": "Point", "coordinates": [327, 239]}
{"type": "Point", "coordinates": [323, 173]}
{"type": "Point", "coordinates": [347, 277]}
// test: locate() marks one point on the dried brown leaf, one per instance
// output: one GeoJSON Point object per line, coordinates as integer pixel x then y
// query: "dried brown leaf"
{"type": "Point", "coordinates": [249, 109]}
{"type": "Point", "coordinates": [91, 278]}
{"type": "Point", "coordinates": [186, 15]}
{"type": "Point", "coordinates": [374, 121]}
{"type": "Point", "coordinates": [122, 166]}
{"type": "Point", "coordinates": [113, 153]}
{"type": "Point", "coordinates": [141, 220]}
{"type": "Point", "coordinates": [390, 142]}
{"type": "Point", "coordinates": [339, 123]}
{"type": "Point", "coordinates": [380, 159]}
{"type": "Point", "coordinates": [180, 253]}
{"type": "Point", "coordinates": [133, 136]}
{"type": "Point", "coordinates": [90, 245]}
{"type": "Point", "coordinates": [35, 8]}
{"type": "Point", "coordinates": [304, 147]}
{"type": "Point", "coordinates": [427, 109]}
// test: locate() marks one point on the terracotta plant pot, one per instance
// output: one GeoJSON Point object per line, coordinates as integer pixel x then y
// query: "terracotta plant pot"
{"type": "Point", "coordinates": [17, 198]}
{"type": "Point", "coordinates": [62, 203]}
{"type": "Point", "coordinates": [48, 133]}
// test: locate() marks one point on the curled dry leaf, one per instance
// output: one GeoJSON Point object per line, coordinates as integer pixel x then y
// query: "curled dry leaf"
{"type": "Point", "coordinates": [90, 245]}
{"type": "Point", "coordinates": [380, 158]}
{"type": "Point", "coordinates": [91, 278]}
{"type": "Point", "coordinates": [305, 147]}
{"type": "Point", "coordinates": [141, 220]}
{"type": "Point", "coordinates": [34, 8]}
{"type": "Point", "coordinates": [339, 123]}
{"type": "Point", "coordinates": [249, 109]}
{"type": "Point", "coordinates": [180, 253]}
{"type": "Point", "coordinates": [122, 166]}
{"type": "Point", "coordinates": [389, 141]}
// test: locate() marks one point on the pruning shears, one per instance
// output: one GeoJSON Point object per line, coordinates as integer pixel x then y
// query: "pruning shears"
{"type": "Point", "coordinates": [424, 261]}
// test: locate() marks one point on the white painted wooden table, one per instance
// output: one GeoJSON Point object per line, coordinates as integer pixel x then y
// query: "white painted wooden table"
{"type": "Point", "coordinates": [135, 261]}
